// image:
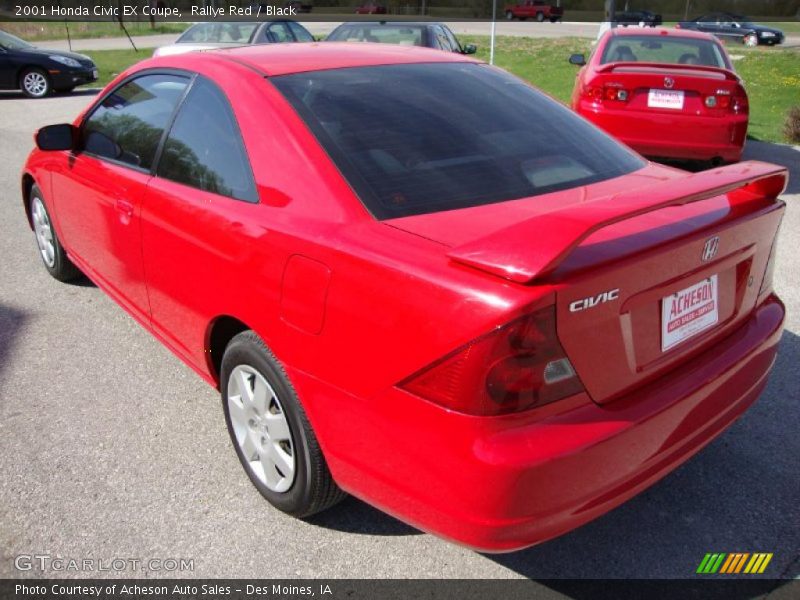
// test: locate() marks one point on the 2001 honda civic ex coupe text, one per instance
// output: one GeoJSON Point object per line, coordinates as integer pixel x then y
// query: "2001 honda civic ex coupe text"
{"type": "Point", "coordinates": [416, 279]}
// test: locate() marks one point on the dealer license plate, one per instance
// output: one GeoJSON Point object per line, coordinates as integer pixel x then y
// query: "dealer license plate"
{"type": "Point", "coordinates": [665, 99]}
{"type": "Point", "coordinates": [688, 312]}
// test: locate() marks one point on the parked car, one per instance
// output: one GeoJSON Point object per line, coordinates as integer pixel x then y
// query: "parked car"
{"type": "Point", "coordinates": [734, 27]}
{"type": "Point", "coordinates": [371, 8]}
{"type": "Point", "coordinates": [428, 34]}
{"type": "Point", "coordinates": [637, 17]}
{"type": "Point", "coordinates": [666, 93]}
{"type": "Point", "coordinates": [417, 279]}
{"type": "Point", "coordinates": [534, 9]}
{"type": "Point", "coordinates": [221, 34]}
{"type": "Point", "coordinates": [37, 72]}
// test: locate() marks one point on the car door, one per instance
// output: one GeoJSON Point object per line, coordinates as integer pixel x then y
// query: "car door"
{"type": "Point", "coordinates": [99, 192]}
{"type": "Point", "coordinates": [197, 219]}
{"type": "Point", "coordinates": [6, 70]}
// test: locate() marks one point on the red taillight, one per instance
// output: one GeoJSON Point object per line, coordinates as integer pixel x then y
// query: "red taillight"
{"type": "Point", "coordinates": [739, 104]}
{"type": "Point", "coordinates": [612, 93]}
{"type": "Point", "coordinates": [516, 367]}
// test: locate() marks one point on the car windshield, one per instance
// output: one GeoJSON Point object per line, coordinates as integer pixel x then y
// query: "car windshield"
{"type": "Point", "coordinates": [385, 34]}
{"type": "Point", "coordinates": [663, 49]}
{"type": "Point", "coordinates": [11, 42]}
{"type": "Point", "coordinates": [421, 138]}
{"type": "Point", "coordinates": [218, 33]}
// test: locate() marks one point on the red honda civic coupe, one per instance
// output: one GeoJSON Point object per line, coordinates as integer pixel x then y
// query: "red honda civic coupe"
{"type": "Point", "coordinates": [665, 93]}
{"type": "Point", "coordinates": [418, 280]}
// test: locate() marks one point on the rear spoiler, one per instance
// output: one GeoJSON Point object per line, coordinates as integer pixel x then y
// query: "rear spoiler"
{"type": "Point", "coordinates": [613, 66]}
{"type": "Point", "coordinates": [532, 249]}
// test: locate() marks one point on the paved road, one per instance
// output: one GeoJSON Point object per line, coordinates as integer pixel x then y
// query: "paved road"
{"type": "Point", "coordinates": [110, 447]}
{"type": "Point", "coordinates": [515, 28]}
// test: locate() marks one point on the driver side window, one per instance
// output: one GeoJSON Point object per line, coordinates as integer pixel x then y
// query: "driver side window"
{"type": "Point", "coordinates": [128, 124]}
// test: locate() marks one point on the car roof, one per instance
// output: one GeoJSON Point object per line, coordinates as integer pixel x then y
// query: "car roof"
{"type": "Point", "coordinates": [282, 59]}
{"type": "Point", "coordinates": [661, 32]}
{"type": "Point", "coordinates": [391, 24]}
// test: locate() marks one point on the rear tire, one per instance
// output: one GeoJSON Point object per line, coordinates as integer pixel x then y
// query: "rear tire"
{"type": "Point", "coordinates": [34, 83]}
{"type": "Point", "coordinates": [509, 15]}
{"type": "Point", "coordinates": [751, 41]}
{"type": "Point", "coordinates": [51, 251]}
{"type": "Point", "coordinates": [270, 431]}
{"type": "Point", "coordinates": [539, 17]}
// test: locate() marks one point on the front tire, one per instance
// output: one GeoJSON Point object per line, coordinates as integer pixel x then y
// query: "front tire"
{"type": "Point", "coordinates": [34, 83]}
{"type": "Point", "coordinates": [51, 251]}
{"type": "Point", "coordinates": [539, 17]}
{"type": "Point", "coordinates": [509, 15]}
{"type": "Point", "coordinates": [270, 431]}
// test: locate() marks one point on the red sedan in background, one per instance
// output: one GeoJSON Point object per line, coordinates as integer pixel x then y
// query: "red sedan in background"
{"type": "Point", "coordinates": [371, 8]}
{"type": "Point", "coordinates": [486, 317]}
{"type": "Point", "coordinates": [666, 93]}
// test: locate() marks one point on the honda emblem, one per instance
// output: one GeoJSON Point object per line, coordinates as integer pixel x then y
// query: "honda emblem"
{"type": "Point", "coordinates": [669, 82]}
{"type": "Point", "coordinates": [710, 248]}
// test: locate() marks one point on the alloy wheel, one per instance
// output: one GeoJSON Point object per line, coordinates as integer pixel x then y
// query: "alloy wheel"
{"type": "Point", "coordinates": [35, 83]}
{"type": "Point", "coordinates": [261, 428]}
{"type": "Point", "coordinates": [44, 233]}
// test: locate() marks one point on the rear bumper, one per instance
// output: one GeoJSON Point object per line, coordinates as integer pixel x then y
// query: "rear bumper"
{"type": "Point", "coordinates": [504, 483]}
{"type": "Point", "coordinates": [676, 136]}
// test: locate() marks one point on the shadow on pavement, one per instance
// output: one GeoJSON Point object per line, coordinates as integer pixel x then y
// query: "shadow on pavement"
{"type": "Point", "coordinates": [739, 494]}
{"type": "Point", "coordinates": [11, 323]}
{"type": "Point", "coordinates": [354, 516]}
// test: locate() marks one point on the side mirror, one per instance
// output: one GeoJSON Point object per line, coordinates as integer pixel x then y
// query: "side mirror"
{"type": "Point", "coordinates": [470, 49]}
{"type": "Point", "coordinates": [56, 137]}
{"type": "Point", "coordinates": [577, 59]}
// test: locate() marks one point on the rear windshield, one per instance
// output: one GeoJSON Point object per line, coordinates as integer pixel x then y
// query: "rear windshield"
{"type": "Point", "coordinates": [384, 34]}
{"type": "Point", "coordinates": [421, 138]}
{"type": "Point", "coordinates": [671, 50]}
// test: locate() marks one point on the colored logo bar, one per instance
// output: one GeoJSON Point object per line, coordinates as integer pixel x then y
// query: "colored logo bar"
{"type": "Point", "coordinates": [734, 562]}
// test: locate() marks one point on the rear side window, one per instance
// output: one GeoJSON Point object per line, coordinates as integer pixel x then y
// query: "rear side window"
{"type": "Point", "coordinates": [128, 124]}
{"type": "Point", "coordinates": [422, 138]}
{"type": "Point", "coordinates": [672, 50]}
{"type": "Point", "coordinates": [301, 34]}
{"type": "Point", "coordinates": [204, 148]}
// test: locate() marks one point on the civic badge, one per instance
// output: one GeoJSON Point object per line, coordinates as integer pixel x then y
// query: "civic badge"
{"type": "Point", "coordinates": [669, 82]}
{"type": "Point", "coordinates": [710, 248]}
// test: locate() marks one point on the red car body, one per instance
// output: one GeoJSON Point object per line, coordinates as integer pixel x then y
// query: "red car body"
{"type": "Point", "coordinates": [710, 124]}
{"type": "Point", "coordinates": [370, 8]}
{"type": "Point", "coordinates": [373, 319]}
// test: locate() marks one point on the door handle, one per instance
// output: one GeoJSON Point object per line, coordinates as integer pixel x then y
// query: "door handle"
{"type": "Point", "coordinates": [125, 207]}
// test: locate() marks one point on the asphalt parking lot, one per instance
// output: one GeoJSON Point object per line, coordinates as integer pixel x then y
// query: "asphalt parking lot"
{"type": "Point", "coordinates": [111, 447]}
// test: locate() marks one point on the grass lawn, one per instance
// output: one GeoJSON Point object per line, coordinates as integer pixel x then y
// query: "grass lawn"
{"type": "Point", "coordinates": [37, 31]}
{"type": "Point", "coordinates": [772, 75]}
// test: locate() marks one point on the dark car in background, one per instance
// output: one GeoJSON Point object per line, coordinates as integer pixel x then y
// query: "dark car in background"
{"type": "Point", "coordinates": [637, 17]}
{"type": "Point", "coordinates": [429, 35]}
{"type": "Point", "coordinates": [206, 36]}
{"type": "Point", "coordinates": [734, 27]}
{"type": "Point", "coordinates": [37, 71]}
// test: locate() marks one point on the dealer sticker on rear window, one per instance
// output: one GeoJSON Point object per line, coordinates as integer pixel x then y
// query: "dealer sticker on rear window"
{"type": "Point", "coordinates": [688, 312]}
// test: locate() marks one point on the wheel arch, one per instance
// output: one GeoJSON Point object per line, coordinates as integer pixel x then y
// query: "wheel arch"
{"type": "Point", "coordinates": [22, 68]}
{"type": "Point", "coordinates": [27, 185]}
{"type": "Point", "coordinates": [221, 330]}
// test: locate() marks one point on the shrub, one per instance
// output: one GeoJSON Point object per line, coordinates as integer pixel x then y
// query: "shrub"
{"type": "Point", "coordinates": [791, 129]}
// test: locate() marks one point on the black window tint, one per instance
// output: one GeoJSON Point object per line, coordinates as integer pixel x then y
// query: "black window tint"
{"type": "Point", "coordinates": [128, 124]}
{"type": "Point", "coordinates": [204, 148]}
{"type": "Point", "coordinates": [414, 139]}
{"type": "Point", "coordinates": [301, 34]}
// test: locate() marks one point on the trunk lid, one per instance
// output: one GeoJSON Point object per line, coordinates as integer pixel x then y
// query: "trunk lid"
{"type": "Point", "coordinates": [618, 261]}
{"type": "Point", "coordinates": [671, 89]}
